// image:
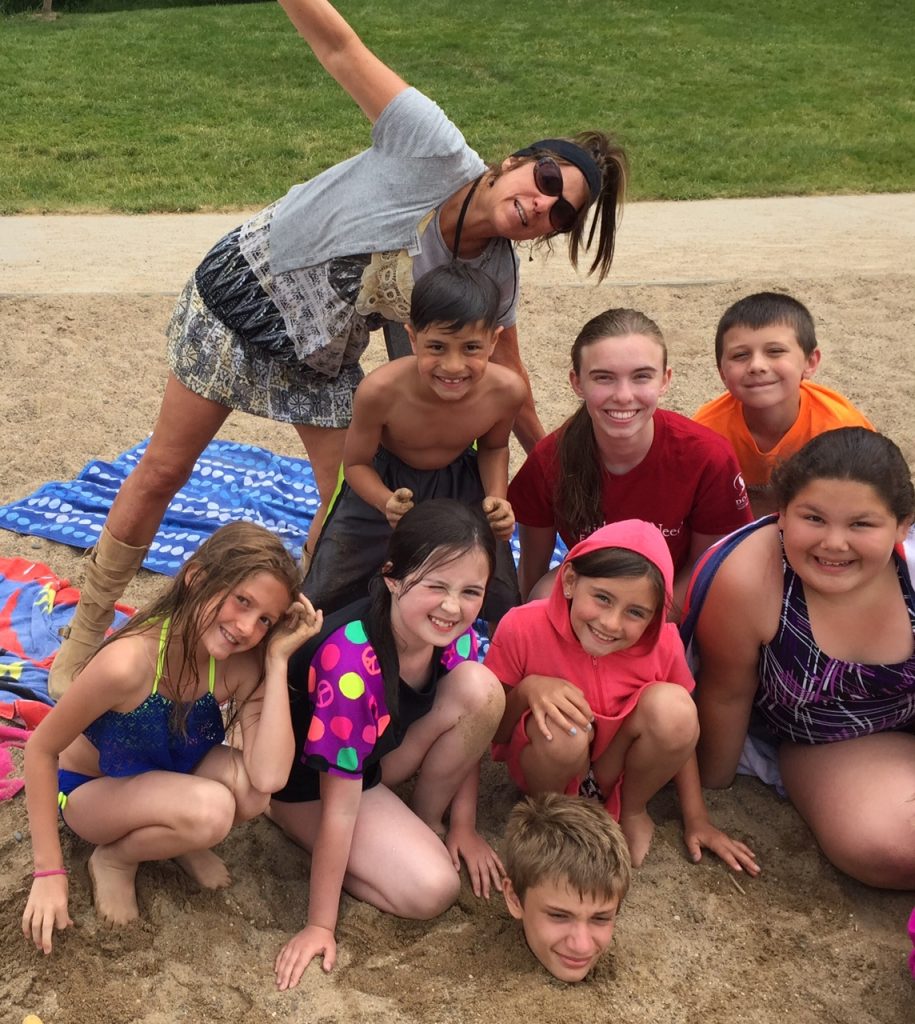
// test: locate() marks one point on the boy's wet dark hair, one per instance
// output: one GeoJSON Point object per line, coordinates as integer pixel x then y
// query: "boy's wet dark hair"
{"type": "Point", "coordinates": [763, 309]}
{"type": "Point", "coordinates": [453, 296]}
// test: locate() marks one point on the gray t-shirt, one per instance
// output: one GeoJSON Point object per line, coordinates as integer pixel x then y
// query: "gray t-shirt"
{"type": "Point", "coordinates": [376, 200]}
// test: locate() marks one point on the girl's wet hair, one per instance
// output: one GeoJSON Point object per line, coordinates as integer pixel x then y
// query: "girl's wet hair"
{"type": "Point", "coordinates": [453, 296]}
{"type": "Point", "coordinates": [432, 534]}
{"type": "Point", "coordinates": [233, 554]}
{"type": "Point", "coordinates": [610, 158]}
{"type": "Point", "coordinates": [577, 496]}
{"type": "Point", "coordinates": [850, 453]}
{"type": "Point", "coordinates": [623, 563]}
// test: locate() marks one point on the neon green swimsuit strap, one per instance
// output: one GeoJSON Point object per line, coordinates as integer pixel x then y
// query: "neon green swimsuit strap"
{"type": "Point", "coordinates": [160, 657]}
{"type": "Point", "coordinates": [160, 660]}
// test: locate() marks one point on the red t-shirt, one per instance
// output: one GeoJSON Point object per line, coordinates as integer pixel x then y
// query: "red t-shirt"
{"type": "Point", "coordinates": [689, 482]}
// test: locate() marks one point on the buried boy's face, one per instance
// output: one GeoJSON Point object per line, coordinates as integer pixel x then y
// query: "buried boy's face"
{"type": "Point", "coordinates": [451, 362]}
{"type": "Point", "coordinates": [566, 931]}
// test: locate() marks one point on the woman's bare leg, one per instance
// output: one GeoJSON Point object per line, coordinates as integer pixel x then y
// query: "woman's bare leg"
{"type": "Point", "coordinates": [186, 425]}
{"type": "Point", "coordinates": [324, 446]}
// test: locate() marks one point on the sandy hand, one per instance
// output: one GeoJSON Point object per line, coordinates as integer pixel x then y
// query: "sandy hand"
{"type": "Point", "coordinates": [500, 516]}
{"type": "Point", "coordinates": [313, 941]}
{"type": "Point", "coordinates": [46, 910]}
{"type": "Point", "coordinates": [300, 623]}
{"type": "Point", "coordinates": [398, 505]}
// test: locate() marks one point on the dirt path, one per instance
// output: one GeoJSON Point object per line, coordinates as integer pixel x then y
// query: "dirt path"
{"type": "Point", "coordinates": [717, 240]}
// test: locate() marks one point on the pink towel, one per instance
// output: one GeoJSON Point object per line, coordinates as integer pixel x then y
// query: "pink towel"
{"type": "Point", "coordinates": [10, 736]}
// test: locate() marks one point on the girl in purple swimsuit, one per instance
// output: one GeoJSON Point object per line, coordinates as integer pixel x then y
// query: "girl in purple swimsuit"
{"type": "Point", "coordinates": [133, 754]}
{"type": "Point", "coordinates": [389, 689]}
{"type": "Point", "coordinates": [806, 638]}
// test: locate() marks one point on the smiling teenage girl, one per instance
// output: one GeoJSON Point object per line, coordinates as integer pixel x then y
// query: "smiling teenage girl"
{"type": "Point", "coordinates": [391, 689]}
{"type": "Point", "coordinates": [132, 754]}
{"type": "Point", "coordinates": [805, 637]}
{"type": "Point", "coordinates": [276, 317]}
{"type": "Point", "coordinates": [621, 457]}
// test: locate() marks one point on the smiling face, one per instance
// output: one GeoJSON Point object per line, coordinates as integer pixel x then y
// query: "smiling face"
{"type": "Point", "coordinates": [839, 535]}
{"type": "Point", "coordinates": [763, 368]}
{"type": "Point", "coordinates": [519, 210]}
{"type": "Point", "coordinates": [436, 605]}
{"type": "Point", "coordinates": [621, 381]}
{"type": "Point", "coordinates": [451, 362]}
{"type": "Point", "coordinates": [608, 614]}
{"type": "Point", "coordinates": [565, 930]}
{"type": "Point", "coordinates": [242, 617]}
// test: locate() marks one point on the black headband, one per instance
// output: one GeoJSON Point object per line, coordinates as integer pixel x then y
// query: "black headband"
{"type": "Point", "coordinates": [572, 154]}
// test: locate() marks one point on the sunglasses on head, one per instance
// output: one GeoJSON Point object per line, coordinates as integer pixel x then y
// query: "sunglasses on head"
{"type": "Point", "coordinates": [548, 179]}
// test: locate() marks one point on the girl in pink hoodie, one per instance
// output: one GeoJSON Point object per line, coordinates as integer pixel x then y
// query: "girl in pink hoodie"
{"type": "Point", "coordinates": [598, 690]}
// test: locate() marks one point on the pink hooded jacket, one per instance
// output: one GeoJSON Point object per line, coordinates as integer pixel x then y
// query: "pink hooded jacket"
{"type": "Point", "coordinates": [537, 639]}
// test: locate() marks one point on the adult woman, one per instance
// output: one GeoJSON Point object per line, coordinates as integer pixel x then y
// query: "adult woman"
{"type": "Point", "coordinates": [278, 314]}
{"type": "Point", "coordinates": [805, 637]}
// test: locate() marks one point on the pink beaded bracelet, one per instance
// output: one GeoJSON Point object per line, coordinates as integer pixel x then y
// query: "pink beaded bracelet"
{"type": "Point", "coordinates": [52, 871]}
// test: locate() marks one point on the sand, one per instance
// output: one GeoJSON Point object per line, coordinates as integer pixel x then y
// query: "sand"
{"type": "Point", "coordinates": [83, 306]}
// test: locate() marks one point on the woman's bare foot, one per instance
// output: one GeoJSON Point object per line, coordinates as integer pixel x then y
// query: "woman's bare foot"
{"type": "Point", "coordinates": [207, 870]}
{"type": "Point", "coordinates": [638, 829]}
{"type": "Point", "coordinates": [114, 888]}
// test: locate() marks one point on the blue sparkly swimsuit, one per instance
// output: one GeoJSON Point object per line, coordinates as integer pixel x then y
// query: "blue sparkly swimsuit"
{"type": "Point", "coordinates": [141, 741]}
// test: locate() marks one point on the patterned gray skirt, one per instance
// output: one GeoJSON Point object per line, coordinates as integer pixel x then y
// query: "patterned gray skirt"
{"type": "Point", "coordinates": [228, 342]}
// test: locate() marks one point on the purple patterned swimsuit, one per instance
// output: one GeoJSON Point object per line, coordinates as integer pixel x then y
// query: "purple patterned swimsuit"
{"type": "Point", "coordinates": [339, 712]}
{"type": "Point", "coordinates": [807, 697]}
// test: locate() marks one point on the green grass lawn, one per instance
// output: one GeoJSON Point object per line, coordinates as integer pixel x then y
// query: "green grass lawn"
{"type": "Point", "coordinates": [210, 106]}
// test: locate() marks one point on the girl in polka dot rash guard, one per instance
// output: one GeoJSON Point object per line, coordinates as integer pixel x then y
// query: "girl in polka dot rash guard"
{"type": "Point", "coordinates": [391, 688]}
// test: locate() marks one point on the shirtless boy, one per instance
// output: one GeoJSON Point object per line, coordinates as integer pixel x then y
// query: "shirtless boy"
{"type": "Point", "coordinates": [415, 421]}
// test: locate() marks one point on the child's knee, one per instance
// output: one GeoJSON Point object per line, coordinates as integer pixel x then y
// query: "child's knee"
{"type": "Point", "coordinates": [434, 887]}
{"type": "Point", "coordinates": [208, 814]}
{"type": "Point", "coordinates": [250, 805]}
{"type": "Point", "coordinates": [883, 858]}
{"type": "Point", "coordinates": [479, 692]}
{"type": "Point", "coordinates": [668, 714]}
{"type": "Point", "coordinates": [565, 750]}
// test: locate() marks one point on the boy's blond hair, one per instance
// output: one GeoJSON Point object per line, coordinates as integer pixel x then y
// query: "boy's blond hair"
{"type": "Point", "coordinates": [556, 838]}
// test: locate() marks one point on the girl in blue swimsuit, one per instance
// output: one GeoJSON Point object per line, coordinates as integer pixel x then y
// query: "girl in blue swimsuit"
{"type": "Point", "coordinates": [133, 754]}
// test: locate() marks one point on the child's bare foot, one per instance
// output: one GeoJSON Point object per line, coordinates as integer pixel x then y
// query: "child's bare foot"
{"type": "Point", "coordinates": [207, 870]}
{"type": "Point", "coordinates": [638, 830]}
{"type": "Point", "coordinates": [114, 888]}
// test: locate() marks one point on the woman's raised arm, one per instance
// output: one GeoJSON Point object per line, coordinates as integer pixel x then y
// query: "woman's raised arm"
{"type": "Point", "coordinates": [370, 82]}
